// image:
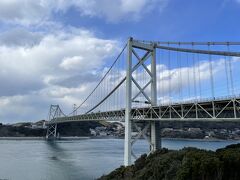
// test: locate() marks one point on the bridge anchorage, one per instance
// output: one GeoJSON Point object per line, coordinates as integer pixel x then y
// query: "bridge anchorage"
{"type": "Point", "coordinates": [189, 81]}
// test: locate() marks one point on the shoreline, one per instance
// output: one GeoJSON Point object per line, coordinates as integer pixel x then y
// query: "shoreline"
{"type": "Point", "coordinates": [109, 137]}
{"type": "Point", "coordinates": [210, 139]}
{"type": "Point", "coordinates": [43, 138]}
{"type": "Point", "coordinates": [22, 138]}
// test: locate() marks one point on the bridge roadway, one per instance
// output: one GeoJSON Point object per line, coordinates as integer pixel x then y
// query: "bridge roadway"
{"type": "Point", "coordinates": [221, 109]}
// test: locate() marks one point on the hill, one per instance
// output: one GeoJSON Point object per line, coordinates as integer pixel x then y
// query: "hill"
{"type": "Point", "coordinates": [34, 130]}
{"type": "Point", "coordinates": [184, 164]}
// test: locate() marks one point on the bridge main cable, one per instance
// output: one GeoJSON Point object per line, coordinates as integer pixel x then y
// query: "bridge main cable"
{"type": "Point", "coordinates": [220, 53]}
{"type": "Point", "coordinates": [100, 83]}
{"type": "Point", "coordinates": [119, 84]}
{"type": "Point", "coordinates": [189, 43]}
{"type": "Point", "coordinates": [159, 46]}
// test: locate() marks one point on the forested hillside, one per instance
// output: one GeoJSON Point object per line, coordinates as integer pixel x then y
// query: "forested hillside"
{"type": "Point", "coordinates": [185, 164]}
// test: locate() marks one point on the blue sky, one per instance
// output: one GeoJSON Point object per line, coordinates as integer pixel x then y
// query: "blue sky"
{"type": "Point", "coordinates": [54, 51]}
{"type": "Point", "coordinates": [172, 20]}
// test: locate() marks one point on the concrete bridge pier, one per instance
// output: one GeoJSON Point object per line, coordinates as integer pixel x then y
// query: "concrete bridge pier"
{"type": "Point", "coordinates": [155, 136]}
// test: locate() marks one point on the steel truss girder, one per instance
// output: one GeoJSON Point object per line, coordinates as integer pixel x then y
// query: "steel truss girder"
{"type": "Point", "coordinates": [212, 110]}
{"type": "Point", "coordinates": [224, 110]}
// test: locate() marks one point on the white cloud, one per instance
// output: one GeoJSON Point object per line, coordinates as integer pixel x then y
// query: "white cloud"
{"type": "Point", "coordinates": [43, 73]}
{"type": "Point", "coordinates": [115, 11]}
{"type": "Point", "coordinates": [49, 65]}
{"type": "Point", "coordinates": [177, 84]}
{"type": "Point", "coordinates": [90, 57]}
{"type": "Point", "coordinates": [61, 65]}
{"type": "Point", "coordinates": [193, 82]}
{"type": "Point", "coordinates": [72, 62]}
{"type": "Point", "coordinates": [32, 64]}
{"type": "Point", "coordinates": [19, 37]}
{"type": "Point", "coordinates": [27, 12]}
{"type": "Point", "coordinates": [24, 11]}
{"type": "Point", "coordinates": [179, 80]}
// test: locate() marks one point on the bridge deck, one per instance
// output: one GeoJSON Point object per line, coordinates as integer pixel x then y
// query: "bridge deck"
{"type": "Point", "coordinates": [227, 109]}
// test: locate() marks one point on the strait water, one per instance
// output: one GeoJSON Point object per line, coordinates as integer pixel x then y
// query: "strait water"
{"type": "Point", "coordinates": [75, 159]}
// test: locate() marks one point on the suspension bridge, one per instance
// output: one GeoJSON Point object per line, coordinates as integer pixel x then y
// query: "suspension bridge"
{"type": "Point", "coordinates": [154, 81]}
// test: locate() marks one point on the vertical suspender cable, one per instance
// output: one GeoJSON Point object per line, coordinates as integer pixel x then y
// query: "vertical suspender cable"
{"type": "Point", "coordinates": [230, 71]}
{"type": "Point", "coordinates": [159, 77]}
{"type": "Point", "coordinates": [169, 75]}
{"type": "Point", "coordinates": [199, 77]}
{"type": "Point", "coordinates": [118, 75]}
{"type": "Point", "coordinates": [105, 92]}
{"type": "Point", "coordinates": [138, 80]}
{"type": "Point", "coordinates": [211, 72]}
{"type": "Point", "coordinates": [108, 87]}
{"type": "Point", "coordinates": [180, 75]}
{"type": "Point", "coordinates": [226, 73]}
{"type": "Point", "coordinates": [161, 87]}
{"type": "Point", "coordinates": [194, 73]}
{"type": "Point", "coordinates": [188, 77]}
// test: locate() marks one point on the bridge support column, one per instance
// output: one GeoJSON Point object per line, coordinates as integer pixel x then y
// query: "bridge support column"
{"type": "Point", "coordinates": [149, 51]}
{"type": "Point", "coordinates": [155, 135]}
{"type": "Point", "coordinates": [51, 132]}
{"type": "Point", "coordinates": [54, 112]}
{"type": "Point", "coordinates": [128, 123]}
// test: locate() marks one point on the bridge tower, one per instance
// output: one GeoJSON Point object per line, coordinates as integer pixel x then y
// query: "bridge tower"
{"type": "Point", "coordinates": [54, 112]}
{"type": "Point", "coordinates": [149, 51]}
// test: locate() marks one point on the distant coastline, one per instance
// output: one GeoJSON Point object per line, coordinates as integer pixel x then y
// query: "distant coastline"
{"type": "Point", "coordinates": [22, 138]}
{"type": "Point", "coordinates": [208, 131]}
{"type": "Point", "coordinates": [43, 138]}
{"type": "Point", "coordinates": [109, 137]}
